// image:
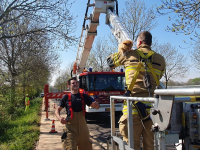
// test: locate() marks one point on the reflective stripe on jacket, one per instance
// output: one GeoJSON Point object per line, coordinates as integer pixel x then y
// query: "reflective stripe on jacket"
{"type": "Point", "coordinates": [130, 62]}
{"type": "Point", "coordinates": [134, 110]}
{"type": "Point", "coordinates": [133, 68]}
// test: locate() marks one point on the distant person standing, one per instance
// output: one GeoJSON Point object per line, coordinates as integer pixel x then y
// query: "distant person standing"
{"type": "Point", "coordinates": [77, 134]}
{"type": "Point", "coordinates": [27, 102]}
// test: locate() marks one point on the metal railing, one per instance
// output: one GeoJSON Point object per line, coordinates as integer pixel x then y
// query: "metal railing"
{"type": "Point", "coordinates": [163, 101]}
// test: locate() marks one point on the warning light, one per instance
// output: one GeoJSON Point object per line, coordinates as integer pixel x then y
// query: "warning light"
{"type": "Point", "coordinates": [90, 69]}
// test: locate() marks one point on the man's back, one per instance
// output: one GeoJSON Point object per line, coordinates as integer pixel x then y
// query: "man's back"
{"type": "Point", "coordinates": [131, 63]}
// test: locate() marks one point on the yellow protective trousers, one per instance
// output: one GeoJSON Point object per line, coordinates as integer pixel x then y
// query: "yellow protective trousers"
{"type": "Point", "coordinates": [27, 107]}
{"type": "Point", "coordinates": [138, 131]}
{"type": "Point", "coordinates": [77, 133]}
{"type": "Point", "coordinates": [27, 103]}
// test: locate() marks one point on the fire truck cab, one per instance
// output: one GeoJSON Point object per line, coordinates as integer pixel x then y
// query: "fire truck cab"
{"type": "Point", "coordinates": [100, 86]}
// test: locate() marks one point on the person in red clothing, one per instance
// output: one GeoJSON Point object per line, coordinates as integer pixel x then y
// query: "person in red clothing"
{"type": "Point", "coordinates": [77, 133]}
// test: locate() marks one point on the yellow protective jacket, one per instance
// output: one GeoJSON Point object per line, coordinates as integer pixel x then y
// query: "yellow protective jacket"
{"type": "Point", "coordinates": [130, 62]}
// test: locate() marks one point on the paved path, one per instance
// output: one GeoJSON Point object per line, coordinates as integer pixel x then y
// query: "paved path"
{"type": "Point", "coordinates": [52, 141]}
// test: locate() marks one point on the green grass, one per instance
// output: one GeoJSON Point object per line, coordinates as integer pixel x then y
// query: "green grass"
{"type": "Point", "coordinates": [22, 132]}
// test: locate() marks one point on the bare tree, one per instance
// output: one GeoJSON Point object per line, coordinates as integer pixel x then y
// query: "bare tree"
{"type": "Point", "coordinates": [137, 17]}
{"type": "Point", "coordinates": [26, 59]}
{"type": "Point", "coordinates": [176, 64]}
{"type": "Point", "coordinates": [99, 54]}
{"type": "Point", "coordinates": [52, 17]}
{"type": "Point", "coordinates": [195, 55]}
{"type": "Point", "coordinates": [186, 16]}
{"type": "Point", "coordinates": [61, 80]}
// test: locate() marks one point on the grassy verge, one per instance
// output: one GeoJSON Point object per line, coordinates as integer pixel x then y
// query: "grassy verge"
{"type": "Point", "coordinates": [23, 131]}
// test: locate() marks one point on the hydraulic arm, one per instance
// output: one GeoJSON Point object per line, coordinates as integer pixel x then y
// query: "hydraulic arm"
{"type": "Point", "coordinates": [109, 7]}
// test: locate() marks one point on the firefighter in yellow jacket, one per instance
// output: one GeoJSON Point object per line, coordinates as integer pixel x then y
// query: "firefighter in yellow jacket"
{"type": "Point", "coordinates": [27, 102]}
{"type": "Point", "coordinates": [143, 70]}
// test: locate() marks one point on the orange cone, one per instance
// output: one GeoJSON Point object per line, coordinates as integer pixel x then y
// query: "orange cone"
{"type": "Point", "coordinates": [53, 127]}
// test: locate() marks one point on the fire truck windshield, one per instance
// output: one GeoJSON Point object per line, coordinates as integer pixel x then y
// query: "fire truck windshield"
{"type": "Point", "coordinates": [106, 82]}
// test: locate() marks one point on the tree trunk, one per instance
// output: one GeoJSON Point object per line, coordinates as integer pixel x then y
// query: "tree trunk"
{"type": "Point", "coordinates": [12, 94]}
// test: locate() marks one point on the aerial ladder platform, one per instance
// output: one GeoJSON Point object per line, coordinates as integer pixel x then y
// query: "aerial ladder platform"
{"type": "Point", "coordinates": [89, 31]}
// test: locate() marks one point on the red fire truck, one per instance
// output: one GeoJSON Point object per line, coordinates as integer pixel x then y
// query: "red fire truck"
{"type": "Point", "coordinates": [100, 86]}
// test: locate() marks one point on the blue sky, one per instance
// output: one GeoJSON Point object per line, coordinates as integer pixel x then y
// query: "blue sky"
{"type": "Point", "coordinates": [78, 9]}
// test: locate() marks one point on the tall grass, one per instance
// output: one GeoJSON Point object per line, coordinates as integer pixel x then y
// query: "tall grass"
{"type": "Point", "coordinates": [22, 131]}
